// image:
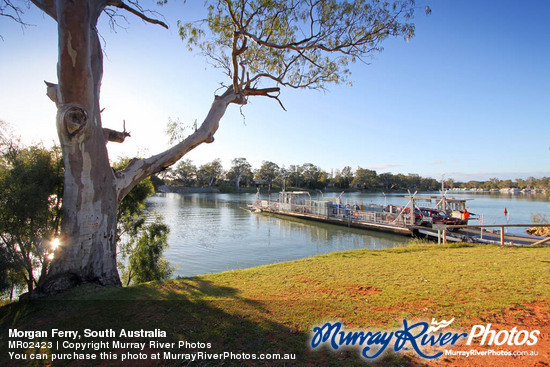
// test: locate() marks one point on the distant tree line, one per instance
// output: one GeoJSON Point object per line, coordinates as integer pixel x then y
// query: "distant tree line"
{"type": "Point", "coordinates": [241, 174]}
{"type": "Point", "coordinates": [308, 176]}
{"type": "Point", "coordinates": [530, 183]}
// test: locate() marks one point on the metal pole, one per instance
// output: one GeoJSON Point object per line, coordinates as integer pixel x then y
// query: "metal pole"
{"type": "Point", "coordinates": [541, 241]}
{"type": "Point", "coordinates": [481, 228]}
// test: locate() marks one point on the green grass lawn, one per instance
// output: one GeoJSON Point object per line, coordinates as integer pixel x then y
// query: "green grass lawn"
{"type": "Point", "coordinates": [273, 308]}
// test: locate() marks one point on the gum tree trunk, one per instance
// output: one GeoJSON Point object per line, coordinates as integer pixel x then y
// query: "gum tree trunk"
{"type": "Point", "coordinates": [88, 249]}
{"type": "Point", "coordinates": [93, 190]}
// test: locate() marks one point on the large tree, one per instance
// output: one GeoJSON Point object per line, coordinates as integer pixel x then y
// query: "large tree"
{"type": "Point", "coordinates": [240, 169]}
{"type": "Point", "coordinates": [185, 173]}
{"type": "Point", "coordinates": [314, 177]}
{"type": "Point", "coordinates": [92, 189]}
{"type": "Point", "coordinates": [262, 46]}
{"type": "Point", "coordinates": [209, 173]}
{"type": "Point", "coordinates": [268, 172]}
{"type": "Point", "coordinates": [365, 178]}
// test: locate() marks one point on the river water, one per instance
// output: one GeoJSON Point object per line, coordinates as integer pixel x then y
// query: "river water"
{"type": "Point", "coordinates": [211, 233]}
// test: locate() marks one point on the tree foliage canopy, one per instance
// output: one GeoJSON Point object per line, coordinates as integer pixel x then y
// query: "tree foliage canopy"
{"type": "Point", "coordinates": [141, 242]}
{"type": "Point", "coordinates": [31, 183]}
{"type": "Point", "coordinates": [185, 173]}
{"type": "Point", "coordinates": [240, 171]}
{"type": "Point", "coordinates": [146, 261]}
{"type": "Point", "coordinates": [208, 173]}
{"type": "Point", "coordinates": [268, 172]}
{"type": "Point", "coordinates": [294, 43]}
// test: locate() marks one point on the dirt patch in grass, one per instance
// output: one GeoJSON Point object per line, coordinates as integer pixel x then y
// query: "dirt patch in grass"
{"type": "Point", "coordinates": [531, 316]}
{"type": "Point", "coordinates": [363, 290]}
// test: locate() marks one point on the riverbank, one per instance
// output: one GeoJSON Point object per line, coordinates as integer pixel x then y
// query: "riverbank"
{"type": "Point", "coordinates": [273, 308]}
{"type": "Point", "coordinates": [186, 190]}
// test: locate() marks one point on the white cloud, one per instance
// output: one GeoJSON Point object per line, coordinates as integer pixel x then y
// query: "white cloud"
{"type": "Point", "coordinates": [384, 166]}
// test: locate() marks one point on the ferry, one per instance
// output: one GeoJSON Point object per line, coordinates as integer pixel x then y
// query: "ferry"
{"type": "Point", "coordinates": [435, 217]}
{"type": "Point", "coordinates": [420, 211]}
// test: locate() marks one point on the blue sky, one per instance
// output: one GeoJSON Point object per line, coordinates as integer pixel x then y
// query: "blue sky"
{"type": "Point", "coordinates": [468, 97]}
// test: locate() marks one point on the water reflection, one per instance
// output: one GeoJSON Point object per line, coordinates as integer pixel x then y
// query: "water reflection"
{"type": "Point", "coordinates": [212, 233]}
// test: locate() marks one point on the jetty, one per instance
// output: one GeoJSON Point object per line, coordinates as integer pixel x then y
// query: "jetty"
{"type": "Point", "coordinates": [445, 219]}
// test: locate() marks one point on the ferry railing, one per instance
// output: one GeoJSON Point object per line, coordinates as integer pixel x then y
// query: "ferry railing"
{"type": "Point", "coordinates": [379, 214]}
{"type": "Point", "coordinates": [501, 226]}
{"type": "Point", "coordinates": [443, 228]}
{"type": "Point", "coordinates": [396, 217]}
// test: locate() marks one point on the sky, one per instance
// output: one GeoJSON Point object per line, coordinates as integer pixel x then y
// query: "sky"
{"type": "Point", "coordinates": [467, 98]}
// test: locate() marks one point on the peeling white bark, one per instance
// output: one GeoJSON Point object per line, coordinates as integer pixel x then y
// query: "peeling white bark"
{"type": "Point", "coordinates": [72, 52]}
{"type": "Point", "coordinates": [238, 184]}
{"type": "Point", "coordinates": [139, 169]}
{"type": "Point", "coordinates": [88, 250]}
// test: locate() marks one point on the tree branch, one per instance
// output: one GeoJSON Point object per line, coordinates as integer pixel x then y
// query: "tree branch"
{"type": "Point", "coordinates": [260, 92]}
{"type": "Point", "coordinates": [235, 62]}
{"type": "Point", "coordinates": [234, 55]}
{"type": "Point", "coordinates": [52, 91]}
{"type": "Point", "coordinates": [266, 92]}
{"type": "Point", "coordinates": [47, 6]}
{"type": "Point", "coordinates": [139, 169]}
{"type": "Point", "coordinates": [138, 12]}
{"type": "Point", "coordinates": [11, 11]}
{"type": "Point", "coordinates": [115, 136]}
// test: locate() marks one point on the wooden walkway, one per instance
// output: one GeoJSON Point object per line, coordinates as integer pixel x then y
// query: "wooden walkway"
{"type": "Point", "coordinates": [485, 234]}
